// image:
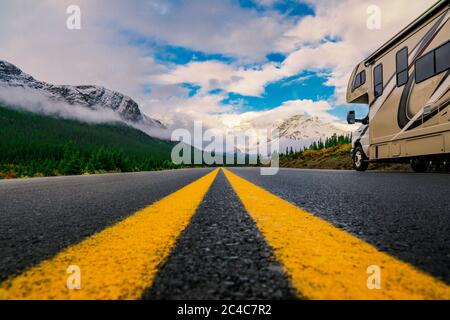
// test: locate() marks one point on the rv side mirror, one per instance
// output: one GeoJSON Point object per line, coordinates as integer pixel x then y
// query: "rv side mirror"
{"type": "Point", "coordinates": [351, 117]}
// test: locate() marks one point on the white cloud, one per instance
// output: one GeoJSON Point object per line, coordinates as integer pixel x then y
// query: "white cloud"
{"type": "Point", "coordinates": [252, 81]}
{"type": "Point", "coordinates": [265, 118]}
{"type": "Point", "coordinates": [35, 102]}
{"type": "Point", "coordinates": [344, 21]}
{"type": "Point", "coordinates": [213, 26]}
{"type": "Point", "coordinates": [34, 37]}
{"type": "Point", "coordinates": [266, 3]}
{"type": "Point", "coordinates": [183, 112]}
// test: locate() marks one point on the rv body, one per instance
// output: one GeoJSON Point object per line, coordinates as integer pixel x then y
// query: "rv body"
{"type": "Point", "coordinates": [406, 85]}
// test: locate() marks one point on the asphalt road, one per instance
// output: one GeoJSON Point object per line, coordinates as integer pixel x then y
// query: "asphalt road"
{"type": "Point", "coordinates": [222, 254]}
{"type": "Point", "coordinates": [39, 217]}
{"type": "Point", "coordinates": [404, 214]}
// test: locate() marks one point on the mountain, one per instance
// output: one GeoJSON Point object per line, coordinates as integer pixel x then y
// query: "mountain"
{"type": "Point", "coordinates": [300, 130]}
{"type": "Point", "coordinates": [296, 131]}
{"type": "Point", "coordinates": [92, 97]}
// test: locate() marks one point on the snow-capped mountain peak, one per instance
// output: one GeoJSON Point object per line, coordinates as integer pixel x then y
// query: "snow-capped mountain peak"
{"type": "Point", "coordinates": [300, 130]}
{"type": "Point", "coordinates": [295, 130]}
{"type": "Point", "coordinates": [92, 97]}
{"type": "Point", "coordinates": [301, 127]}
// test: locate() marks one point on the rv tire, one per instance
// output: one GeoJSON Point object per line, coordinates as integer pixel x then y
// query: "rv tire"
{"type": "Point", "coordinates": [360, 159]}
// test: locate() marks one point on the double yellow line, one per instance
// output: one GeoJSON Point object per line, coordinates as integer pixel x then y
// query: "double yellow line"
{"type": "Point", "coordinates": [325, 262]}
{"type": "Point", "coordinates": [119, 262]}
{"type": "Point", "coordinates": [322, 261]}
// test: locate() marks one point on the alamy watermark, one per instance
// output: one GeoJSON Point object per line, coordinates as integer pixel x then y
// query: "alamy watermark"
{"type": "Point", "coordinates": [373, 21]}
{"type": "Point", "coordinates": [73, 22]}
{"type": "Point", "coordinates": [374, 279]}
{"type": "Point", "coordinates": [74, 279]}
{"type": "Point", "coordinates": [202, 146]}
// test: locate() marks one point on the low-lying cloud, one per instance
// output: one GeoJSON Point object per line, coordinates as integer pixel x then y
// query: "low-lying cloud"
{"type": "Point", "coordinates": [28, 100]}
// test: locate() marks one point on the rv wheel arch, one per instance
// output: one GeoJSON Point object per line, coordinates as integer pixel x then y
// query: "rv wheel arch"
{"type": "Point", "coordinates": [420, 165]}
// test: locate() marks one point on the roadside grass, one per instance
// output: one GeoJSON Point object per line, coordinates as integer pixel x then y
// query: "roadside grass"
{"type": "Point", "coordinates": [336, 157]}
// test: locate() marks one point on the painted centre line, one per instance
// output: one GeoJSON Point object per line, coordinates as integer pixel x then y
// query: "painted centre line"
{"type": "Point", "coordinates": [119, 262]}
{"type": "Point", "coordinates": [324, 262]}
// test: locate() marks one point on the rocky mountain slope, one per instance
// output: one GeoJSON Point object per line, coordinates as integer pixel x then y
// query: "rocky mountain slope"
{"type": "Point", "coordinates": [296, 131]}
{"type": "Point", "coordinates": [92, 97]}
{"type": "Point", "coordinates": [300, 130]}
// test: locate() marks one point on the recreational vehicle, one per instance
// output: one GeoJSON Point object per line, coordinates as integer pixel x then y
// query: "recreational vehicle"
{"type": "Point", "coordinates": [406, 85]}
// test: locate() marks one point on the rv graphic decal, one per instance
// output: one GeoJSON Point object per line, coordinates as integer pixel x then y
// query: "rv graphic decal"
{"type": "Point", "coordinates": [404, 113]}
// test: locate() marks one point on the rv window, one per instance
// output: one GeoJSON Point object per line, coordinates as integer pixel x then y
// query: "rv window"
{"type": "Point", "coordinates": [363, 77]}
{"type": "Point", "coordinates": [360, 79]}
{"type": "Point", "coordinates": [443, 58]}
{"type": "Point", "coordinates": [425, 67]}
{"type": "Point", "coordinates": [402, 78]}
{"type": "Point", "coordinates": [402, 67]}
{"type": "Point", "coordinates": [357, 81]}
{"type": "Point", "coordinates": [378, 80]}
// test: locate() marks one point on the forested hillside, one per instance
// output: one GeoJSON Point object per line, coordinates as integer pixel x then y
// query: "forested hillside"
{"type": "Point", "coordinates": [36, 145]}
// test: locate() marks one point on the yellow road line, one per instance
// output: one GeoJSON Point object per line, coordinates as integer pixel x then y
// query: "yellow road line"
{"type": "Point", "coordinates": [119, 262]}
{"type": "Point", "coordinates": [325, 262]}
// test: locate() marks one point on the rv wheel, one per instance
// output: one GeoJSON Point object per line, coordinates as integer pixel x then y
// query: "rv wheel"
{"type": "Point", "coordinates": [419, 165]}
{"type": "Point", "coordinates": [359, 159]}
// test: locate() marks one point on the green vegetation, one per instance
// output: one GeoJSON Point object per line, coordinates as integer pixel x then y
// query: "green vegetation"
{"type": "Point", "coordinates": [333, 157]}
{"type": "Point", "coordinates": [35, 145]}
{"type": "Point", "coordinates": [333, 153]}
{"type": "Point", "coordinates": [333, 141]}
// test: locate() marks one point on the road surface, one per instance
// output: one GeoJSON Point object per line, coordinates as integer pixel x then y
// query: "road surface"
{"type": "Point", "coordinates": [233, 234]}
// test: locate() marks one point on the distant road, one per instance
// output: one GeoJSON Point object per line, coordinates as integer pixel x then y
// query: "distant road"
{"type": "Point", "coordinates": [238, 235]}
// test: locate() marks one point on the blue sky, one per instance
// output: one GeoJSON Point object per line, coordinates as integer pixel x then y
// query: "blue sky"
{"type": "Point", "coordinates": [305, 85]}
{"type": "Point", "coordinates": [187, 60]}
{"type": "Point", "coordinates": [289, 8]}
